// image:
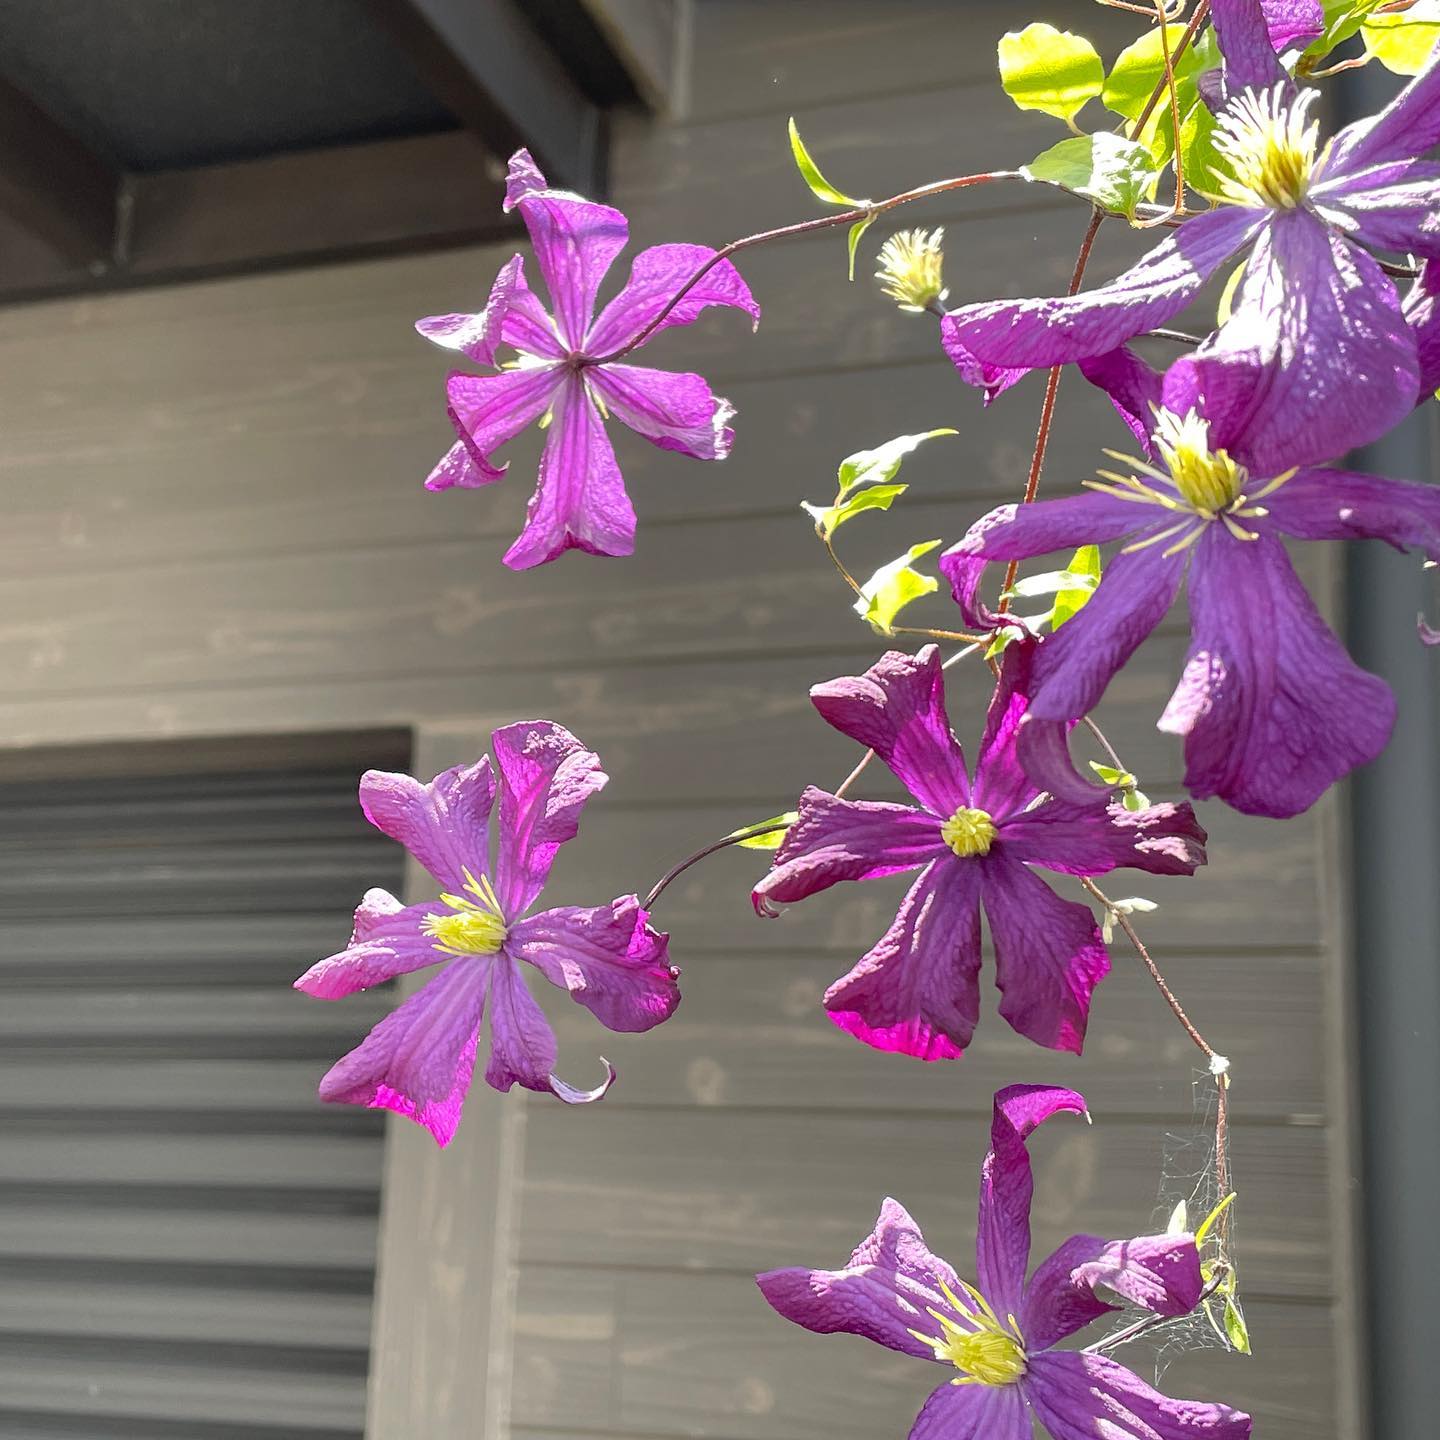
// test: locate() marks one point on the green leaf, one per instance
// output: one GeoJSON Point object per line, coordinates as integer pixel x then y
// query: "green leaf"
{"type": "Point", "coordinates": [1111, 776]}
{"type": "Point", "coordinates": [1343, 18]}
{"type": "Point", "coordinates": [1140, 67]}
{"type": "Point", "coordinates": [1404, 41]}
{"type": "Point", "coordinates": [1236, 1331]}
{"type": "Point", "coordinates": [1085, 566]}
{"type": "Point", "coordinates": [771, 839]}
{"type": "Point", "coordinates": [1134, 800]}
{"type": "Point", "coordinates": [1212, 1217]}
{"type": "Point", "coordinates": [1049, 583]}
{"type": "Point", "coordinates": [820, 187]}
{"type": "Point", "coordinates": [1050, 70]}
{"type": "Point", "coordinates": [856, 231]}
{"type": "Point", "coordinates": [1112, 171]}
{"type": "Point", "coordinates": [874, 467]}
{"type": "Point", "coordinates": [829, 518]}
{"type": "Point", "coordinates": [1179, 1220]}
{"type": "Point", "coordinates": [892, 587]}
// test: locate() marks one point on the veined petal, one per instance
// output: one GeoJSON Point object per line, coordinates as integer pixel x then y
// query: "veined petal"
{"type": "Point", "coordinates": [1272, 708]}
{"type": "Point", "coordinates": [897, 709]}
{"type": "Point", "coordinates": [1408, 126]}
{"type": "Point", "coordinates": [655, 275]}
{"type": "Point", "coordinates": [1387, 207]}
{"type": "Point", "coordinates": [1346, 505]}
{"type": "Point", "coordinates": [607, 957]}
{"type": "Point", "coordinates": [1316, 357]}
{"type": "Point", "coordinates": [1032, 333]}
{"type": "Point", "coordinates": [673, 411]}
{"type": "Point", "coordinates": [887, 1290]}
{"type": "Point", "coordinates": [546, 776]}
{"type": "Point", "coordinates": [419, 1059]}
{"type": "Point", "coordinates": [1002, 787]}
{"type": "Point", "coordinates": [1160, 1273]}
{"type": "Point", "coordinates": [1293, 22]}
{"type": "Point", "coordinates": [443, 824]}
{"type": "Point", "coordinates": [488, 410]}
{"type": "Point", "coordinates": [1422, 314]}
{"type": "Point", "coordinates": [511, 313]}
{"type": "Point", "coordinates": [522, 1044]}
{"type": "Point", "coordinates": [973, 1412]}
{"type": "Point", "coordinates": [917, 991]}
{"type": "Point", "coordinates": [1134, 390]}
{"type": "Point", "coordinates": [1098, 837]}
{"type": "Point", "coordinates": [1049, 956]}
{"type": "Point", "coordinates": [1243, 29]}
{"type": "Point", "coordinates": [1018, 532]}
{"type": "Point", "coordinates": [1002, 1245]}
{"type": "Point", "coordinates": [579, 501]}
{"type": "Point", "coordinates": [1079, 1397]}
{"type": "Point", "coordinates": [576, 241]}
{"type": "Point", "coordinates": [387, 941]}
{"type": "Point", "coordinates": [994, 380]}
{"type": "Point", "coordinates": [457, 468]}
{"type": "Point", "coordinates": [835, 839]}
{"type": "Point", "coordinates": [1076, 664]}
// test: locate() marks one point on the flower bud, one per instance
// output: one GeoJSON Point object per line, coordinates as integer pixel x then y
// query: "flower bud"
{"type": "Point", "coordinates": [910, 269]}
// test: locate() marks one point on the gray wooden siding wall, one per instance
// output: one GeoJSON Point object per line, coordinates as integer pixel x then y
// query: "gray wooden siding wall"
{"type": "Point", "coordinates": [214, 525]}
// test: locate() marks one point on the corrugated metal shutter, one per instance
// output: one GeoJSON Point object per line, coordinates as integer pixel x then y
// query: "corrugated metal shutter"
{"type": "Point", "coordinates": [187, 1237]}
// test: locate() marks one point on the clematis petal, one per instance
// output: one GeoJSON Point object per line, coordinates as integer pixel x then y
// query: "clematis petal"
{"type": "Point", "coordinates": [1422, 314]}
{"type": "Point", "coordinates": [897, 709]}
{"type": "Point", "coordinates": [1001, 786]}
{"type": "Point", "coordinates": [1293, 22]}
{"type": "Point", "coordinates": [672, 411]}
{"type": "Point", "coordinates": [419, 1059]}
{"type": "Point", "coordinates": [1076, 664]}
{"type": "Point", "coordinates": [835, 840]}
{"type": "Point", "coordinates": [458, 469]}
{"type": "Point", "coordinates": [512, 314]}
{"type": "Point", "coordinates": [1271, 719]}
{"type": "Point", "coordinates": [1095, 838]}
{"type": "Point", "coordinates": [1079, 1397]}
{"type": "Point", "coordinates": [1049, 956]}
{"type": "Point", "coordinates": [1032, 333]}
{"type": "Point", "coordinates": [656, 275]}
{"type": "Point", "coordinates": [1291, 381]}
{"type": "Point", "coordinates": [1346, 505]}
{"type": "Point", "coordinates": [1160, 1273]}
{"type": "Point", "coordinates": [1017, 532]}
{"type": "Point", "coordinates": [546, 776]}
{"type": "Point", "coordinates": [576, 241]}
{"type": "Point", "coordinates": [916, 992]}
{"type": "Point", "coordinates": [1002, 1244]}
{"type": "Point", "coordinates": [994, 380]}
{"type": "Point", "coordinates": [387, 941]}
{"type": "Point", "coordinates": [488, 410]}
{"type": "Point", "coordinates": [973, 1412]}
{"type": "Point", "coordinates": [1408, 126]}
{"type": "Point", "coordinates": [607, 957]}
{"type": "Point", "coordinates": [579, 501]}
{"type": "Point", "coordinates": [887, 1289]}
{"type": "Point", "coordinates": [1243, 28]}
{"type": "Point", "coordinates": [443, 824]}
{"type": "Point", "coordinates": [1134, 390]}
{"type": "Point", "coordinates": [1387, 207]}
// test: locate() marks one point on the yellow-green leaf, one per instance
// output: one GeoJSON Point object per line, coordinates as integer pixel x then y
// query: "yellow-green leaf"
{"type": "Point", "coordinates": [1236, 1331]}
{"type": "Point", "coordinates": [1050, 70]}
{"type": "Point", "coordinates": [1112, 171]}
{"type": "Point", "coordinates": [1404, 41]}
{"type": "Point", "coordinates": [829, 518]}
{"type": "Point", "coordinates": [772, 832]}
{"type": "Point", "coordinates": [1212, 1217]}
{"type": "Point", "coordinates": [1069, 601]}
{"type": "Point", "coordinates": [894, 586]}
{"type": "Point", "coordinates": [873, 467]}
{"type": "Point", "coordinates": [820, 187]}
{"type": "Point", "coordinates": [856, 231]}
{"type": "Point", "coordinates": [1140, 67]}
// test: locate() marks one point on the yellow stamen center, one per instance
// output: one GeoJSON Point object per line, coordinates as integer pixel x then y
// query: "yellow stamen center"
{"type": "Point", "coordinates": [1269, 143]}
{"type": "Point", "coordinates": [911, 267]}
{"type": "Point", "coordinates": [984, 1349]}
{"type": "Point", "coordinates": [1209, 479]}
{"type": "Point", "coordinates": [473, 927]}
{"type": "Point", "coordinates": [969, 832]}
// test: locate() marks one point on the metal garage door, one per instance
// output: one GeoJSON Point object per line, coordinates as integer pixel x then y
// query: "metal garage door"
{"type": "Point", "coordinates": [186, 1237]}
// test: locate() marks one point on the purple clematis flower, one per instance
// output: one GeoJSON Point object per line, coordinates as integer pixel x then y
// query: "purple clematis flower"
{"type": "Point", "coordinates": [1271, 707]}
{"type": "Point", "coordinates": [917, 991]}
{"type": "Point", "coordinates": [580, 500]}
{"type": "Point", "coordinates": [1313, 310]}
{"type": "Point", "coordinates": [418, 1061]}
{"type": "Point", "coordinates": [1000, 1333]}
